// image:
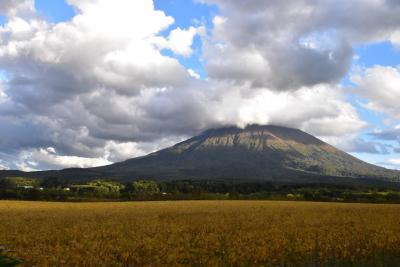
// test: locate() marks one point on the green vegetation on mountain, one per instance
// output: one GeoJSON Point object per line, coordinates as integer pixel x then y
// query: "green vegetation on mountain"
{"type": "Point", "coordinates": [256, 153]}
{"type": "Point", "coordinates": [268, 153]}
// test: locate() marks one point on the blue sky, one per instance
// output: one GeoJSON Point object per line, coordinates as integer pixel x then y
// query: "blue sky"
{"type": "Point", "coordinates": [187, 13]}
{"type": "Point", "coordinates": [55, 10]}
{"type": "Point", "coordinates": [369, 52]}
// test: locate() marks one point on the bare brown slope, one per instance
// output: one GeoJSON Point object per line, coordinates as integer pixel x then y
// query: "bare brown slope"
{"type": "Point", "coordinates": [256, 152]}
{"type": "Point", "coordinates": [267, 153]}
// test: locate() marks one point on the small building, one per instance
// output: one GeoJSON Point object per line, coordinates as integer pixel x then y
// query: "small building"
{"type": "Point", "coordinates": [27, 187]}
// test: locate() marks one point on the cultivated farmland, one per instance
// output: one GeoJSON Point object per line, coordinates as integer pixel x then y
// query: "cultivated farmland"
{"type": "Point", "coordinates": [201, 233]}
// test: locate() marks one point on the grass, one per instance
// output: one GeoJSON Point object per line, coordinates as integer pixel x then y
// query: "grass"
{"type": "Point", "coordinates": [5, 260]}
{"type": "Point", "coordinates": [201, 233]}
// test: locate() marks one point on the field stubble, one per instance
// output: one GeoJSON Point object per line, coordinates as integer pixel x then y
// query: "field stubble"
{"type": "Point", "coordinates": [201, 233]}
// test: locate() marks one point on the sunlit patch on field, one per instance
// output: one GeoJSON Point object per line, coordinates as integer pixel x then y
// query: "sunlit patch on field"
{"type": "Point", "coordinates": [201, 233]}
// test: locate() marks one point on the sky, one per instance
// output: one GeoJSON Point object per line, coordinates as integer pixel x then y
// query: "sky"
{"type": "Point", "coordinates": [91, 82]}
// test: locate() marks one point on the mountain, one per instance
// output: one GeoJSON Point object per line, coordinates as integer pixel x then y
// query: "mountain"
{"type": "Point", "coordinates": [258, 153]}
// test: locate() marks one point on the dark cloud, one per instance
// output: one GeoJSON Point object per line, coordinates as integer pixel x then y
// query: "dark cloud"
{"type": "Point", "coordinates": [98, 89]}
{"type": "Point", "coordinates": [388, 135]}
{"type": "Point", "coordinates": [393, 3]}
{"type": "Point", "coordinates": [14, 7]}
{"type": "Point", "coordinates": [295, 43]}
{"type": "Point", "coordinates": [361, 146]}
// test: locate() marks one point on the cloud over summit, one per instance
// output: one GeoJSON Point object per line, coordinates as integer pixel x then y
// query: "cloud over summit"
{"type": "Point", "coordinates": [110, 83]}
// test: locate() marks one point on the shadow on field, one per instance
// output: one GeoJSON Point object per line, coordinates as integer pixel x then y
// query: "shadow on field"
{"type": "Point", "coordinates": [7, 261]}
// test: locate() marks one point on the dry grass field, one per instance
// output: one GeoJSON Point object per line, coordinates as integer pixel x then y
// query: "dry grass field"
{"type": "Point", "coordinates": [201, 233]}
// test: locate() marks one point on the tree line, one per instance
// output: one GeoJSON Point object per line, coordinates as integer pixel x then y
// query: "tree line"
{"type": "Point", "coordinates": [56, 189]}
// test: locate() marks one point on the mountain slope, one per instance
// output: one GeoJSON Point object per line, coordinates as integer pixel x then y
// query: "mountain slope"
{"type": "Point", "coordinates": [256, 152]}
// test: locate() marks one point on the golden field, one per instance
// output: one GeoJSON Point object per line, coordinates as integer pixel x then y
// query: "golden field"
{"type": "Point", "coordinates": [201, 233]}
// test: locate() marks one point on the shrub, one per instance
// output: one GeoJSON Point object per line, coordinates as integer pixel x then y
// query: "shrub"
{"type": "Point", "coordinates": [6, 261]}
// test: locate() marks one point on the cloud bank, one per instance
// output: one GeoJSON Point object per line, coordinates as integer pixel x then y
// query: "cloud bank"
{"type": "Point", "coordinates": [101, 88]}
{"type": "Point", "coordinates": [284, 45]}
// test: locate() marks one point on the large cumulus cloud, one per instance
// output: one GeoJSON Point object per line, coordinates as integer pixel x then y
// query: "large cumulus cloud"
{"type": "Point", "coordinates": [379, 86]}
{"type": "Point", "coordinates": [99, 89]}
{"type": "Point", "coordinates": [284, 45]}
{"type": "Point", "coordinates": [16, 7]}
{"type": "Point", "coordinates": [79, 85]}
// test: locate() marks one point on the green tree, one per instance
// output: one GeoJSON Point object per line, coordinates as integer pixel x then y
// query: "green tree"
{"type": "Point", "coordinates": [99, 188]}
{"type": "Point", "coordinates": [145, 187]}
{"type": "Point", "coordinates": [105, 187]}
{"type": "Point", "coordinates": [14, 182]}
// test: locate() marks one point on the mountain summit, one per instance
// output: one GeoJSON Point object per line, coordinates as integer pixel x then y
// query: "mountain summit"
{"type": "Point", "coordinates": [253, 153]}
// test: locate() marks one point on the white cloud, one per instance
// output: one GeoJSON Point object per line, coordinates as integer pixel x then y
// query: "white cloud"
{"type": "Point", "coordinates": [3, 95]}
{"type": "Point", "coordinates": [395, 38]}
{"type": "Point", "coordinates": [25, 162]}
{"type": "Point", "coordinates": [3, 165]}
{"type": "Point", "coordinates": [25, 166]}
{"type": "Point", "coordinates": [180, 41]}
{"type": "Point", "coordinates": [355, 144]}
{"type": "Point", "coordinates": [193, 74]}
{"type": "Point", "coordinates": [121, 19]}
{"type": "Point", "coordinates": [391, 163]}
{"type": "Point", "coordinates": [84, 86]}
{"type": "Point", "coordinates": [394, 161]}
{"type": "Point", "coordinates": [16, 7]}
{"type": "Point", "coordinates": [121, 151]}
{"type": "Point", "coordinates": [98, 89]}
{"type": "Point", "coordinates": [49, 158]}
{"type": "Point", "coordinates": [380, 87]}
{"type": "Point", "coordinates": [320, 110]}
{"type": "Point", "coordinates": [124, 57]}
{"type": "Point", "coordinates": [51, 150]}
{"type": "Point", "coordinates": [285, 45]}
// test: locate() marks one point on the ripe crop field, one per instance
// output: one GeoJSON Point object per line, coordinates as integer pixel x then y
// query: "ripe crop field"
{"type": "Point", "coordinates": [201, 233]}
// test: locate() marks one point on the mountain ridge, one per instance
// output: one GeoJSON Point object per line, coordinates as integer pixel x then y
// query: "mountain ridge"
{"type": "Point", "coordinates": [256, 152]}
{"type": "Point", "coordinates": [270, 147]}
